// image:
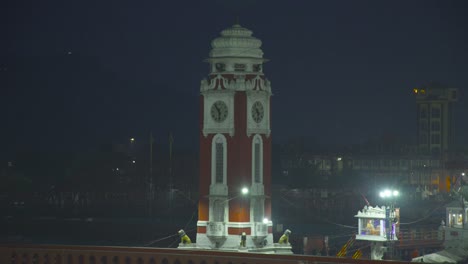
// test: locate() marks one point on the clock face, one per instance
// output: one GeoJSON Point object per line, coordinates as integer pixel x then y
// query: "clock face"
{"type": "Point", "coordinates": [219, 111]}
{"type": "Point", "coordinates": [257, 112]}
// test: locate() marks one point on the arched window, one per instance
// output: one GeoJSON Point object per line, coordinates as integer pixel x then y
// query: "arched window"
{"type": "Point", "coordinates": [218, 159]}
{"type": "Point", "coordinates": [257, 159]}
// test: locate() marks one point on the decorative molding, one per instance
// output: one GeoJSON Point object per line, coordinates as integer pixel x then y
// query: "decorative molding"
{"type": "Point", "coordinates": [372, 212]}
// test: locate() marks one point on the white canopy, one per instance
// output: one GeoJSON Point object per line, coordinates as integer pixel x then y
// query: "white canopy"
{"type": "Point", "coordinates": [451, 255]}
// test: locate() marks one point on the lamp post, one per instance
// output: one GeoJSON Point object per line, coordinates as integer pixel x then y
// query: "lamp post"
{"type": "Point", "coordinates": [390, 215]}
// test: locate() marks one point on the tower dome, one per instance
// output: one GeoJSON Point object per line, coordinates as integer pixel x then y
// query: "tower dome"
{"type": "Point", "coordinates": [236, 41]}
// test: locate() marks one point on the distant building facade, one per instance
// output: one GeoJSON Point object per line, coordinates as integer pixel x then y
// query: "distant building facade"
{"type": "Point", "coordinates": [435, 119]}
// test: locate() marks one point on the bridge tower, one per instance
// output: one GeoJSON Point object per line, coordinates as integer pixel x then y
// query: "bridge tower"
{"type": "Point", "coordinates": [235, 146]}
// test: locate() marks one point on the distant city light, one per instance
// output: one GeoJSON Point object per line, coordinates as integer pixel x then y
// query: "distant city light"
{"type": "Point", "coordinates": [117, 169]}
{"type": "Point", "coordinates": [463, 174]}
{"type": "Point", "coordinates": [265, 220]}
{"type": "Point", "coordinates": [132, 139]}
{"type": "Point", "coordinates": [338, 159]}
{"type": "Point", "coordinates": [133, 161]}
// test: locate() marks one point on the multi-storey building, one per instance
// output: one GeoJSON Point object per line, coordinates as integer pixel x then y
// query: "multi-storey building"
{"type": "Point", "coordinates": [435, 124]}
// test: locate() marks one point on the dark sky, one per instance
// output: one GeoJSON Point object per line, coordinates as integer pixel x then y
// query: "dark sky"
{"type": "Point", "coordinates": [75, 74]}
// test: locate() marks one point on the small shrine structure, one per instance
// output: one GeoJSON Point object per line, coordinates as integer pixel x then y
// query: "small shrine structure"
{"type": "Point", "coordinates": [379, 225]}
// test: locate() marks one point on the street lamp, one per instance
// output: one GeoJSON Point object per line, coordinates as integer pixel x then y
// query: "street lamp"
{"type": "Point", "coordinates": [390, 214]}
{"type": "Point", "coordinates": [389, 193]}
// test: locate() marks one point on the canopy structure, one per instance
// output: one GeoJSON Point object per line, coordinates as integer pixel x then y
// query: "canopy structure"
{"type": "Point", "coordinates": [451, 255]}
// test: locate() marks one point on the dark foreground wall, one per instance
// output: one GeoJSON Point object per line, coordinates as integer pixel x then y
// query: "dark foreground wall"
{"type": "Point", "coordinates": [64, 254]}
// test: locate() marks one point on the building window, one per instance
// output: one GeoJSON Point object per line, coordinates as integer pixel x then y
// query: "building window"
{"type": "Point", "coordinates": [257, 159]}
{"type": "Point", "coordinates": [423, 113]}
{"type": "Point", "coordinates": [423, 138]}
{"type": "Point", "coordinates": [435, 112]}
{"type": "Point", "coordinates": [454, 95]}
{"type": "Point", "coordinates": [257, 67]}
{"type": "Point", "coordinates": [435, 126]}
{"type": "Point", "coordinates": [220, 67]}
{"type": "Point", "coordinates": [257, 162]}
{"type": "Point", "coordinates": [435, 139]}
{"type": "Point", "coordinates": [239, 67]}
{"type": "Point", "coordinates": [423, 125]}
{"type": "Point", "coordinates": [435, 151]}
{"type": "Point", "coordinates": [218, 160]}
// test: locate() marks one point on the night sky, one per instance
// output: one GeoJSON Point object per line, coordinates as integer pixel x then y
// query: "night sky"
{"type": "Point", "coordinates": [76, 74]}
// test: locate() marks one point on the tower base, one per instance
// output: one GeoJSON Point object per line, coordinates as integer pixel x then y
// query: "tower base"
{"type": "Point", "coordinates": [268, 249]}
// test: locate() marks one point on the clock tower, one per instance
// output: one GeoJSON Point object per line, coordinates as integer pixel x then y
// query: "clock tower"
{"type": "Point", "coordinates": [234, 211]}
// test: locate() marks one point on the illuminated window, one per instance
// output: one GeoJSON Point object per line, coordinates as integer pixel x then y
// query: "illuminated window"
{"type": "Point", "coordinates": [370, 227]}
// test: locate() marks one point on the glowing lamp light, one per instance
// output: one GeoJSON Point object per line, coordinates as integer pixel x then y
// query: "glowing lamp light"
{"type": "Point", "coordinates": [265, 220]}
{"type": "Point", "coordinates": [389, 193]}
{"type": "Point", "coordinates": [132, 139]}
{"type": "Point", "coordinates": [245, 190]}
